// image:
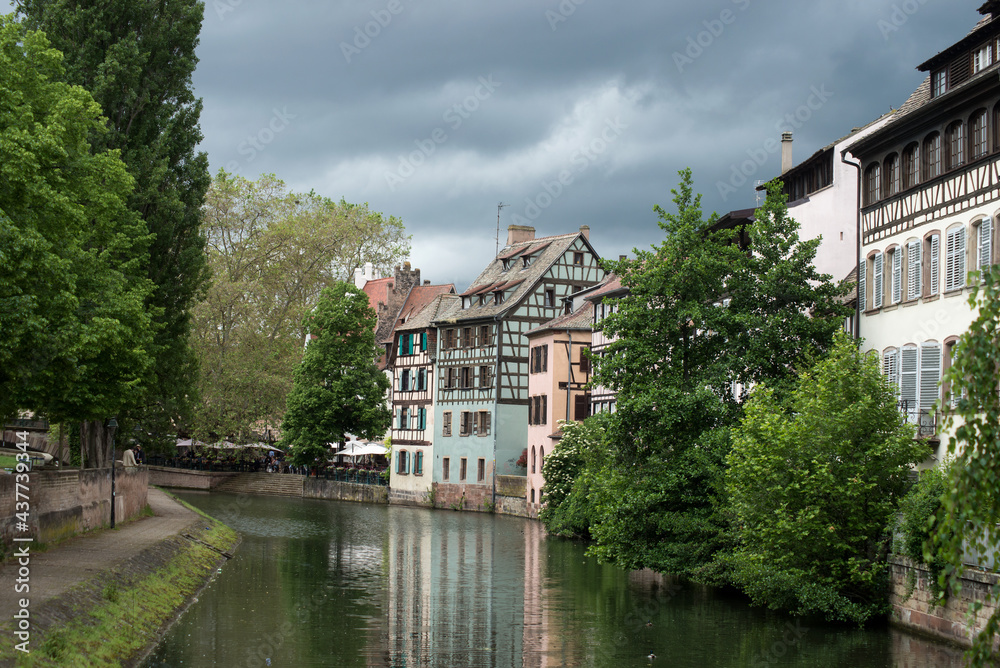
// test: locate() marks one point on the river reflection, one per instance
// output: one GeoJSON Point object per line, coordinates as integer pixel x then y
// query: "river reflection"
{"type": "Point", "coordinates": [324, 583]}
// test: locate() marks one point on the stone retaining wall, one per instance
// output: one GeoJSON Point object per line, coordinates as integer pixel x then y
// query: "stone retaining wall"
{"type": "Point", "coordinates": [913, 602]}
{"type": "Point", "coordinates": [67, 502]}
{"type": "Point", "coordinates": [183, 478]}
{"type": "Point", "coordinates": [318, 488]}
{"type": "Point", "coordinates": [408, 497]}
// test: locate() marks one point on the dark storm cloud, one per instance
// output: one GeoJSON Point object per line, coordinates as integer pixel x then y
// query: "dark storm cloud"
{"type": "Point", "coordinates": [384, 101]}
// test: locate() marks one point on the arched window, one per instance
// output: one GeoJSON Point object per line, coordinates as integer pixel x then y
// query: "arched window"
{"type": "Point", "coordinates": [541, 458]}
{"type": "Point", "coordinates": [978, 142]}
{"type": "Point", "coordinates": [931, 156]}
{"type": "Point", "coordinates": [890, 170]}
{"type": "Point", "coordinates": [532, 459]}
{"type": "Point", "coordinates": [954, 145]}
{"type": "Point", "coordinates": [911, 165]}
{"type": "Point", "coordinates": [532, 494]}
{"type": "Point", "coordinates": [873, 184]}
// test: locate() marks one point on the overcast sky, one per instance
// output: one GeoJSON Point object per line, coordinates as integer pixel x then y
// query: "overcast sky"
{"type": "Point", "coordinates": [577, 112]}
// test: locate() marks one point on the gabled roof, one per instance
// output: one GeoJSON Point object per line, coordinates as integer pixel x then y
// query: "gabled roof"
{"type": "Point", "coordinates": [378, 291]}
{"type": "Point", "coordinates": [518, 280]}
{"type": "Point", "coordinates": [579, 319]}
{"type": "Point", "coordinates": [438, 305]}
{"type": "Point", "coordinates": [611, 286]}
{"type": "Point", "coordinates": [419, 298]}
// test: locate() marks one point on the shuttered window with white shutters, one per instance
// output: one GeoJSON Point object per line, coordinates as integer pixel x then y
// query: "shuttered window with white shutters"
{"type": "Point", "coordinates": [879, 280]}
{"type": "Point", "coordinates": [913, 286]}
{"type": "Point", "coordinates": [954, 274]}
{"type": "Point", "coordinates": [908, 383]}
{"type": "Point", "coordinates": [930, 375]}
{"type": "Point", "coordinates": [985, 243]}
{"type": "Point", "coordinates": [863, 285]}
{"type": "Point", "coordinates": [897, 275]}
{"type": "Point", "coordinates": [890, 368]}
{"type": "Point", "coordinates": [935, 264]}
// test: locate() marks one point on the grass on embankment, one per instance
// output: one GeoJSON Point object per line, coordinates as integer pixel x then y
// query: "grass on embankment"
{"type": "Point", "coordinates": [114, 618]}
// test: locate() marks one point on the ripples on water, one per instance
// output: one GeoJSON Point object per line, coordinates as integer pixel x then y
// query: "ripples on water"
{"type": "Point", "coordinates": [326, 583]}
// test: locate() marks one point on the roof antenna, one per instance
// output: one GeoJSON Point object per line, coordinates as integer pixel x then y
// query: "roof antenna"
{"type": "Point", "coordinates": [500, 205]}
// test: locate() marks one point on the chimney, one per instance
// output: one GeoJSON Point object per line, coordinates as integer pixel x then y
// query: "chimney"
{"type": "Point", "coordinates": [519, 233]}
{"type": "Point", "coordinates": [585, 231]}
{"type": "Point", "coordinates": [786, 151]}
{"type": "Point", "coordinates": [359, 279]}
{"type": "Point", "coordinates": [369, 275]}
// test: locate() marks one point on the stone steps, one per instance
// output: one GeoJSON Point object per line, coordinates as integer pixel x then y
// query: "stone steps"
{"type": "Point", "coordinates": [272, 484]}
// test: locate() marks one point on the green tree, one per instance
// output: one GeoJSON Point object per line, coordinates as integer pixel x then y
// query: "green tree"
{"type": "Point", "coordinates": [271, 252]}
{"type": "Point", "coordinates": [75, 328]}
{"type": "Point", "coordinates": [814, 486]}
{"type": "Point", "coordinates": [337, 388]}
{"type": "Point", "coordinates": [137, 59]}
{"type": "Point", "coordinates": [971, 506]}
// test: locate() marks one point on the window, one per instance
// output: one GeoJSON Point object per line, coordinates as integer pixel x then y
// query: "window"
{"type": "Point", "coordinates": [996, 127]}
{"type": "Point", "coordinates": [982, 58]}
{"type": "Point", "coordinates": [932, 156]}
{"type": "Point", "coordinates": [581, 407]}
{"type": "Point", "coordinates": [418, 463]}
{"type": "Point", "coordinates": [896, 278]}
{"type": "Point", "coordinates": [525, 260]}
{"type": "Point", "coordinates": [930, 374]}
{"type": "Point", "coordinates": [911, 165]}
{"type": "Point", "coordinates": [450, 336]}
{"type": "Point", "coordinates": [404, 380]}
{"type": "Point", "coordinates": [446, 424]}
{"type": "Point", "coordinates": [401, 466]}
{"type": "Point", "coordinates": [481, 470]}
{"type": "Point", "coordinates": [463, 466]}
{"type": "Point", "coordinates": [550, 298]}
{"type": "Point", "coordinates": [465, 374]}
{"type": "Point", "coordinates": [532, 494]}
{"type": "Point", "coordinates": [908, 383]}
{"type": "Point", "coordinates": [404, 418]}
{"type": "Point", "coordinates": [873, 184]}
{"type": "Point", "coordinates": [863, 285]}
{"type": "Point", "coordinates": [485, 335]}
{"type": "Point", "coordinates": [421, 379]}
{"type": "Point", "coordinates": [446, 468]}
{"type": "Point", "coordinates": [890, 169]}
{"type": "Point", "coordinates": [578, 259]}
{"type": "Point", "coordinates": [468, 337]}
{"type": "Point", "coordinates": [537, 409]}
{"type": "Point", "coordinates": [932, 249]}
{"type": "Point", "coordinates": [450, 378]}
{"type": "Point", "coordinates": [483, 423]}
{"type": "Point", "coordinates": [465, 423]}
{"type": "Point", "coordinates": [890, 368]}
{"type": "Point", "coordinates": [584, 361]}
{"type": "Point", "coordinates": [423, 341]}
{"type": "Point", "coordinates": [405, 344]}
{"type": "Point", "coordinates": [949, 355]}
{"type": "Point", "coordinates": [539, 359]}
{"type": "Point", "coordinates": [498, 297]}
{"type": "Point", "coordinates": [541, 460]}
{"type": "Point", "coordinates": [954, 273]}
{"type": "Point", "coordinates": [984, 243]}
{"type": "Point", "coordinates": [913, 270]}
{"type": "Point", "coordinates": [955, 145]}
{"type": "Point", "coordinates": [977, 130]}
{"type": "Point", "coordinates": [939, 82]}
{"type": "Point", "coordinates": [532, 459]}
{"type": "Point", "coordinates": [485, 377]}
{"type": "Point", "coordinates": [506, 263]}
{"type": "Point", "coordinates": [421, 419]}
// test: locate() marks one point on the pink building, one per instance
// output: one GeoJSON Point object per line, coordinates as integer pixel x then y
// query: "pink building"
{"type": "Point", "coordinates": [558, 372]}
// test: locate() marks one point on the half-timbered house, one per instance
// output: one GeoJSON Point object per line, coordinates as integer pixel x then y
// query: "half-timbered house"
{"type": "Point", "coordinates": [930, 184]}
{"type": "Point", "coordinates": [604, 298]}
{"type": "Point", "coordinates": [481, 413]}
{"type": "Point", "coordinates": [411, 357]}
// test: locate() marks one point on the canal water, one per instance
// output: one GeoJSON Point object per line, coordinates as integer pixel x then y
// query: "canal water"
{"type": "Point", "coordinates": [326, 583]}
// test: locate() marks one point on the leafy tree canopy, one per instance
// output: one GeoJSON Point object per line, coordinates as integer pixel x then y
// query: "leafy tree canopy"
{"type": "Point", "coordinates": [814, 487]}
{"type": "Point", "coordinates": [271, 252]}
{"type": "Point", "coordinates": [337, 389]}
{"type": "Point", "coordinates": [75, 327]}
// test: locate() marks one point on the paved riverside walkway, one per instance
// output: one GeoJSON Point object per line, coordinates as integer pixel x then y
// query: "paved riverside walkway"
{"type": "Point", "coordinates": [80, 558]}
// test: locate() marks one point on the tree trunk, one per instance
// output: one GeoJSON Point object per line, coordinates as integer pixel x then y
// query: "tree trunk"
{"type": "Point", "coordinates": [95, 448]}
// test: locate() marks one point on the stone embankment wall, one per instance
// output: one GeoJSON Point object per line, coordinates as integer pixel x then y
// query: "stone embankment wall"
{"type": "Point", "coordinates": [318, 488]}
{"type": "Point", "coordinates": [67, 502]}
{"type": "Point", "coordinates": [511, 490]}
{"type": "Point", "coordinates": [162, 476]}
{"type": "Point", "coordinates": [913, 602]}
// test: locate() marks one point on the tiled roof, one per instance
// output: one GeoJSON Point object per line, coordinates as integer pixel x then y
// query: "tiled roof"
{"type": "Point", "coordinates": [579, 319]}
{"type": "Point", "coordinates": [438, 305]}
{"type": "Point", "coordinates": [418, 299]}
{"type": "Point", "coordinates": [378, 291]}
{"type": "Point", "coordinates": [515, 281]}
{"type": "Point", "coordinates": [612, 285]}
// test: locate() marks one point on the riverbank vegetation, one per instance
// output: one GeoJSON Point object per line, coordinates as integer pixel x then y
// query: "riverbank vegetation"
{"type": "Point", "coordinates": [751, 444]}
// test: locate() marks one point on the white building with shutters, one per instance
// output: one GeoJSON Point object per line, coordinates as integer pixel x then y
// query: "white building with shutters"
{"type": "Point", "coordinates": [930, 182]}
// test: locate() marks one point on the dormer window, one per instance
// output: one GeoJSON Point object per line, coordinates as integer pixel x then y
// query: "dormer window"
{"type": "Point", "coordinates": [506, 264]}
{"type": "Point", "coordinates": [982, 58]}
{"type": "Point", "coordinates": [466, 302]}
{"type": "Point", "coordinates": [525, 261]}
{"type": "Point", "coordinates": [939, 82]}
{"type": "Point", "coordinates": [498, 297]}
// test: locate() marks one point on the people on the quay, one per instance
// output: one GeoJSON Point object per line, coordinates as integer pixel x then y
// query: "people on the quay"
{"type": "Point", "coordinates": [128, 458]}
